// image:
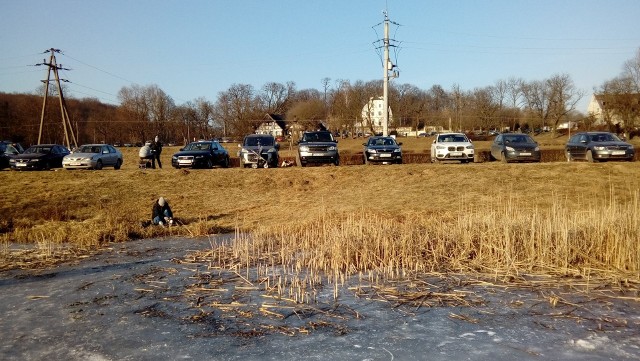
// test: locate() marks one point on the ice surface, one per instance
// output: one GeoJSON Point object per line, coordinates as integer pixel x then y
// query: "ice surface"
{"type": "Point", "coordinates": [129, 303]}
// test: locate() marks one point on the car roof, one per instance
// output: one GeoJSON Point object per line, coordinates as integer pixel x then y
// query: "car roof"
{"type": "Point", "coordinates": [451, 134]}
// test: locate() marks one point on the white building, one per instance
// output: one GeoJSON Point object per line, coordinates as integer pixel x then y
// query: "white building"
{"type": "Point", "coordinates": [601, 107]}
{"type": "Point", "coordinates": [373, 114]}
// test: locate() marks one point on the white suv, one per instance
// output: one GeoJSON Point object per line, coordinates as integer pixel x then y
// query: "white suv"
{"type": "Point", "coordinates": [452, 146]}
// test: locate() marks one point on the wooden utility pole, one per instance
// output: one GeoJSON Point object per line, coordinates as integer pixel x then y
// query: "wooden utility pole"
{"type": "Point", "coordinates": [52, 66]}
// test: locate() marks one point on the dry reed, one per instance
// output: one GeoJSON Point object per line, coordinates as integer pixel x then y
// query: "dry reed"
{"type": "Point", "coordinates": [508, 241]}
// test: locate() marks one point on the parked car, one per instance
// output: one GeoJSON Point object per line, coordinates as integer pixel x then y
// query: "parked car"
{"type": "Point", "coordinates": [382, 150]}
{"type": "Point", "coordinates": [93, 156]}
{"type": "Point", "coordinates": [259, 150]}
{"type": "Point", "coordinates": [8, 149]}
{"type": "Point", "coordinates": [452, 147]}
{"type": "Point", "coordinates": [39, 157]}
{"type": "Point", "coordinates": [201, 154]}
{"type": "Point", "coordinates": [318, 147]}
{"type": "Point", "coordinates": [598, 146]}
{"type": "Point", "coordinates": [512, 147]}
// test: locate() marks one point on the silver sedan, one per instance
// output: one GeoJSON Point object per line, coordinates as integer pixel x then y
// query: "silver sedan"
{"type": "Point", "coordinates": [93, 156]}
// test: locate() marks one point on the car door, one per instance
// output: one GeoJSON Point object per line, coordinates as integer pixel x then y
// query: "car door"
{"type": "Point", "coordinates": [580, 146]}
{"type": "Point", "coordinates": [108, 157]}
{"type": "Point", "coordinates": [215, 153]}
{"type": "Point", "coordinates": [496, 147]}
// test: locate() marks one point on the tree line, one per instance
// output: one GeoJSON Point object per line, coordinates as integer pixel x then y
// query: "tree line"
{"type": "Point", "coordinates": [146, 111]}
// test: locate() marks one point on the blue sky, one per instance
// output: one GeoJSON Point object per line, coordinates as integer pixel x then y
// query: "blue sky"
{"type": "Point", "coordinates": [197, 48]}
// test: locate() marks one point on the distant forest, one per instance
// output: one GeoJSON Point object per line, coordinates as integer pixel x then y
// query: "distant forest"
{"type": "Point", "coordinates": [147, 111]}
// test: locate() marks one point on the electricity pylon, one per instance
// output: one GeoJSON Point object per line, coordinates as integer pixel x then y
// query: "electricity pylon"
{"type": "Point", "coordinates": [52, 66]}
{"type": "Point", "coordinates": [389, 72]}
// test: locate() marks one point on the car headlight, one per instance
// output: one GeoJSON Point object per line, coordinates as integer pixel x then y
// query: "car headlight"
{"type": "Point", "coordinates": [304, 148]}
{"type": "Point", "coordinates": [12, 160]}
{"type": "Point", "coordinates": [86, 159]}
{"type": "Point", "coordinates": [331, 148]}
{"type": "Point", "coordinates": [599, 147]}
{"type": "Point", "coordinates": [630, 147]}
{"type": "Point", "coordinates": [469, 146]}
{"type": "Point", "coordinates": [174, 157]}
{"type": "Point", "coordinates": [371, 150]}
{"type": "Point", "coordinates": [537, 149]}
{"type": "Point", "coordinates": [440, 147]}
{"type": "Point", "coordinates": [199, 156]}
{"type": "Point", "coordinates": [510, 149]}
{"type": "Point", "coordinates": [397, 150]}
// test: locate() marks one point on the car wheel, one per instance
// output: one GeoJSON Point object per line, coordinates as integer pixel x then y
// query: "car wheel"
{"type": "Point", "coordinates": [337, 161]}
{"type": "Point", "coordinates": [47, 166]}
{"type": "Point", "coordinates": [118, 164]}
{"type": "Point", "coordinates": [567, 154]}
{"type": "Point", "coordinates": [226, 162]}
{"type": "Point", "coordinates": [366, 159]}
{"type": "Point", "coordinates": [98, 165]}
{"type": "Point", "coordinates": [503, 158]}
{"type": "Point", "coordinates": [209, 163]}
{"type": "Point", "coordinates": [589, 156]}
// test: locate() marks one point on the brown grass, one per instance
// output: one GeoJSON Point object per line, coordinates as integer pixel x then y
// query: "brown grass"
{"type": "Point", "coordinates": [386, 221]}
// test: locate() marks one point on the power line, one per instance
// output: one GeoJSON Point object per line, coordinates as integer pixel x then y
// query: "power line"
{"type": "Point", "coordinates": [98, 69]}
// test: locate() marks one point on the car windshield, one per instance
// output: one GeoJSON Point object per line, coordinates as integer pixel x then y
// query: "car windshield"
{"type": "Point", "coordinates": [604, 137]}
{"type": "Point", "coordinates": [452, 138]}
{"type": "Point", "coordinates": [318, 137]}
{"type": "Point", "coordinates": [258, 141]}
{"type": "Point", "coordinates": [198, 146]}
{"type": "Point", "coordinates": [8, 148]}
{"type": "Point", "coordinates": [39, 150]}
{"type": "Point", "coordinates": [90, 149]}
{"type": "Point", "coordinates": [382, 141]}
{"type": "Point", "coordinates": [517, 139]}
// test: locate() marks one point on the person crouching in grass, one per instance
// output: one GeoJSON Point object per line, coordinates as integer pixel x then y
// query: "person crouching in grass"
{"type": "Point", "coordinates": [161, 213]}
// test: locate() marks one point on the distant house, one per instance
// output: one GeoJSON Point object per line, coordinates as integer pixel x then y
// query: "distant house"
{"type": "Point", "coordinates": [613, 108]}
{"type": "Point", "coordinates": [373, 116]}
{"type": "Point", "coordinates": [274, 124]}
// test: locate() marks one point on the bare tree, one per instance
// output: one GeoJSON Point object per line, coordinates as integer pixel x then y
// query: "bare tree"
{"type": "Point", "coordinates": [632, 71]}
{"type": "Point", "coordinates": [236, 108]}
{"type": "Point", "coordinates": [485, 105]}
{"type": "Point", "coordinates": [276, 98]}
{"type": "Point", "coordinates": [563, 97]}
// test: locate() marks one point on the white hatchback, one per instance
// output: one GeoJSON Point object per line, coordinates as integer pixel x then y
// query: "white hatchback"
{"type": "Point", "coordinates": [452, 147]}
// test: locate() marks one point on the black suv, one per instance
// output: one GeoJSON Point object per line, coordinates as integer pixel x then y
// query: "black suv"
{"type": "Point", "coordinates": [318, 147]}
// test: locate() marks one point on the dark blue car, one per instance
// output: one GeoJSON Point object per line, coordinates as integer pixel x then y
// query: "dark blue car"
{"type": "Point", "coordinates": [201, 154]}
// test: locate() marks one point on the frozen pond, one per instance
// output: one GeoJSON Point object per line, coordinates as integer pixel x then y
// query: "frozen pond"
{"type": "Point", "coordinates": [131, 303]}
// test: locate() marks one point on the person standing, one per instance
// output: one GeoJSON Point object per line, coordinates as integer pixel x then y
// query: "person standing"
{"type": "Point", "coordinates": [156, 147]}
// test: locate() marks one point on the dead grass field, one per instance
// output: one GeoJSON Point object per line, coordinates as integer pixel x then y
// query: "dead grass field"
{"type": "Point", "coordinates": [561, 217]}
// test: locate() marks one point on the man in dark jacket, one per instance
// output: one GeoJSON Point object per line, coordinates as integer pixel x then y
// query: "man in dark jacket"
{"type": "Point", "coordinates": [161, 213]}
{"type": "Point", "coordinates": [156, 148]}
